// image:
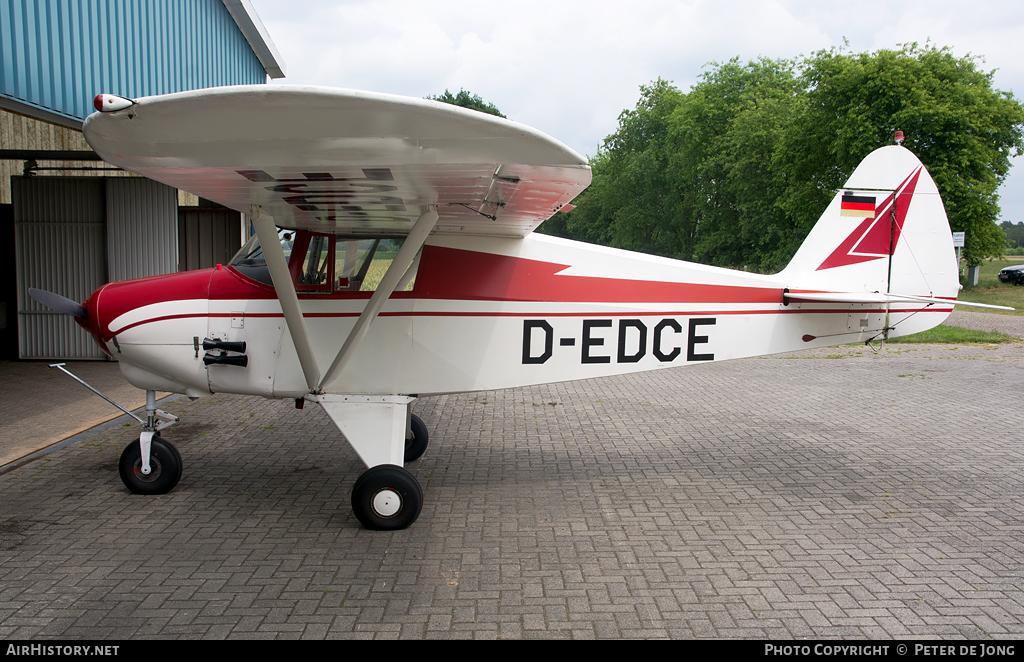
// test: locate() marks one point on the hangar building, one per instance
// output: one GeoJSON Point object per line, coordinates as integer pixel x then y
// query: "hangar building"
{"type": "Point", "coordinates": [68, 221]}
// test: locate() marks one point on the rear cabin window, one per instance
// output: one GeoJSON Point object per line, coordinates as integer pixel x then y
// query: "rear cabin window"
{"type": "Point", "coordinates": [360, 264]}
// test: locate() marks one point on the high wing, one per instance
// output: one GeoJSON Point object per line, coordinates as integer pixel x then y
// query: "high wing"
{"type": "Point", "coordinates": [344, 161]}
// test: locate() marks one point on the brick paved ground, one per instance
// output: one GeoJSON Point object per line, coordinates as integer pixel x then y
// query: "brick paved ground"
{"type": "Point", "coordinates": [833, 494]}
{"type": "Point", "coordinates": [41, 406]}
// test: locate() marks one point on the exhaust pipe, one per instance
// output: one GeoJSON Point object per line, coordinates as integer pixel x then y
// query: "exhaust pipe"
{"type": "Point", "coordinates": [223, 359]}
{"type": "Point", "coordinates": [209, 344]}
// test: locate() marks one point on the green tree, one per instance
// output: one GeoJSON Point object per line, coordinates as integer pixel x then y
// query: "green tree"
{"type": "Point", "coordinates": [962, 129]}
{"type": "Point", "coordinates": [467, 100]}
{"type": "Point", "coordinates": [736, 171]}
{"type": "Point", "coordinates": [729, 163]}
{"type": "Point", "coordinates": [1014, 233]}
{"type": "Point", "coordinates": [632, 202]}
{"type": "Point", "coordinates": [694, 176]}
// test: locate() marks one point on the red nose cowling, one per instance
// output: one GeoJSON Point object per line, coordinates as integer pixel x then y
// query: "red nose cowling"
{"type": "Point", "coordinates": [115, 299]}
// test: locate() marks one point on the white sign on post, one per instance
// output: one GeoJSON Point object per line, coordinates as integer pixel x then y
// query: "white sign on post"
{"type": "Point", "coordinates": [958, 239]}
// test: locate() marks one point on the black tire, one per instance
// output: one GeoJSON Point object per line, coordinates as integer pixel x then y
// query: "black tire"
{"type": "Point", "coordinates": [417, 445]}
{"type": "Point", "coordinates": [387, 498]}
{"type": "Point", "coordinates": [164, 462]}
{"type": "Point", "coordinates": [177, 456]}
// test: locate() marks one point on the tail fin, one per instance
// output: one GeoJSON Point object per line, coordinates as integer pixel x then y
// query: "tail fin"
{"type": "Point", "coordinates": [884, 236]}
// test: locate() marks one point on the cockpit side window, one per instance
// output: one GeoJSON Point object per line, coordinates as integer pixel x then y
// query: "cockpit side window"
{"type": "Point", "coordinates": [328, 263]}
{"type": "Point", "coordinates": [313, 272]}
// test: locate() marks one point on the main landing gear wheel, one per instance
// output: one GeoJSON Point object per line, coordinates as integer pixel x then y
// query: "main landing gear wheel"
{"type": "Point", "coordinates": [387, 498]}
{"type": "Point", "coordinates": [417, 445]}
{"type": "Point", "coordinates": [164, 463]}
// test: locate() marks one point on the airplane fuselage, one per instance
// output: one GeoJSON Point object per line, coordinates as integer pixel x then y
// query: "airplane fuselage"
{"type": "Point", "coordinates": [484, 313]}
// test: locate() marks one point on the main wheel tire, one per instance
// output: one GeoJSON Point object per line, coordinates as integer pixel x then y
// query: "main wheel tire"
{"type": "Point", "coordinates": [417, 445]}
{"type": "Point", "coordinates": [164, 463]}
{"type": "Point", "coordinates": [387, 498]}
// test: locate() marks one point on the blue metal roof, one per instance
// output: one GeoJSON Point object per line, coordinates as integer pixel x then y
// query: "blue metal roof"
{"type": "Point", "coordinates": [57, 55]}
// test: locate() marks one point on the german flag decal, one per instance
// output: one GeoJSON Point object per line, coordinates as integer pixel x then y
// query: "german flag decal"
{"type": "Point", "coordinates": [857, 206]}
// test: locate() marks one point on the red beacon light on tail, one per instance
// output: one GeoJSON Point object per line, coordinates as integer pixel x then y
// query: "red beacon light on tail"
{"type": "Point", "coordinates": [899, 137]}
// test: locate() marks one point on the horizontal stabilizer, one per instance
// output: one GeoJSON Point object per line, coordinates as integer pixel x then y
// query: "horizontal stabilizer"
{"type": "Point", "coordinates": [878, 297]}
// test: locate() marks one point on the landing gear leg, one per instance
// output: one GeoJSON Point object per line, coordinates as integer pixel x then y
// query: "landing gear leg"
{"type": "Point", "coordinates": [151, 465]}
{"type": "Point", "coordinates": [386, 497]}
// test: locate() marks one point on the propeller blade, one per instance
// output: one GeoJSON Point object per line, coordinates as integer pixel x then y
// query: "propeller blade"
{"type": "Point", "coordinates": [58, 303]}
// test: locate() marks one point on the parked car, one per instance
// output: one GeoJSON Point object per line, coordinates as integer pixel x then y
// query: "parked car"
{"type": "Point", "coordinates": [1013, 275]}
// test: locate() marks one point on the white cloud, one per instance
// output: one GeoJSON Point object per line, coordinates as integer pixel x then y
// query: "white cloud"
{"type": "Point", "coordinates": [570, 67]}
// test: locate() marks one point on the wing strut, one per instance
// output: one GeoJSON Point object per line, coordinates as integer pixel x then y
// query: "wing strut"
{"type": "Point", "coordinates": [395, 273]}
{"type": "Point", "coordinates": [278, 267]}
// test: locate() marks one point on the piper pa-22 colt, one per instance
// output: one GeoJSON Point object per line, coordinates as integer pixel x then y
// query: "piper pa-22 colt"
{"type": "Point", "coordinates": [393, 258]}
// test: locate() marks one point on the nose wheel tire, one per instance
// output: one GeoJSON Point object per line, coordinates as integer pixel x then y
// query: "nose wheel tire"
{"type": "Point", "coordinates": [387, 498]}
{"type": "Point", "coordinates": [417, 444]}
{"type": "Point", "coordinates": [164, 463]}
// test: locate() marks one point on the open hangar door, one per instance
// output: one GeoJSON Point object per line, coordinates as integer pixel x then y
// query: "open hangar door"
{"type": "Point", "coordinates": [72, 235]}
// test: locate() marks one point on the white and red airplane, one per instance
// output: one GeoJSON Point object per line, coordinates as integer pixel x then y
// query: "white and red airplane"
{"type": "Point", "coordinates": [393, 258]}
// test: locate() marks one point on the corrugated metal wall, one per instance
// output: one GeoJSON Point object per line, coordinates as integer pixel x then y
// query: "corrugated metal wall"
{"type": "Point", "coordinates": [58, 54]}
{"type": "Point", "coordinates": [142, 228]}
{"type": "Point", "coordinates": [207, 237]}
{"type": "Point", "coordinates": [74, 234]}
{"type": "Point", "coordinates": [60, 230]}
{"type": "Point", "coordinates": [55, 56]}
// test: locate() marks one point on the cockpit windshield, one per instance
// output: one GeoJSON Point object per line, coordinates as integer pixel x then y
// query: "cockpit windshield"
{"type": "Point", "coordinates": [249, 260]}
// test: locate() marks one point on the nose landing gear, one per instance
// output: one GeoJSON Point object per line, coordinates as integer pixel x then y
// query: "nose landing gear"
{"type": "Point", "coordinates": [165, 467]}
{"type": "Point", "coordinates": [149, 465]}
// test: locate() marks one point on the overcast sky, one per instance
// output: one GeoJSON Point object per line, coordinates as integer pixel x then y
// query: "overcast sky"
{"type": "Point", "coordinates": [569, 67]}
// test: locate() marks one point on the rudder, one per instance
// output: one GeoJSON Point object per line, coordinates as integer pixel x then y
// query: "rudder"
{"type": "Point", "coordinates": [889, 205]}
